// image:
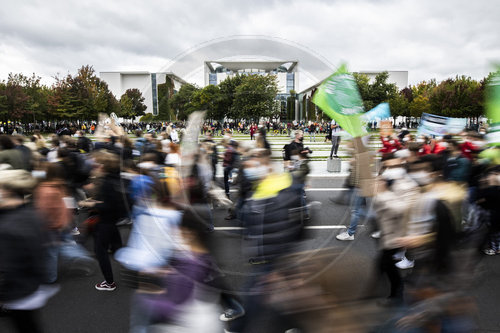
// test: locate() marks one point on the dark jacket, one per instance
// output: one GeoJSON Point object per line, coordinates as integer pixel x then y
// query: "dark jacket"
{"type": "Point", "coordinates": [113, 195]}
{"type": "Point", "coordinates": [274, 224]}
{"type": "Point", "coordinates": [21, 253]}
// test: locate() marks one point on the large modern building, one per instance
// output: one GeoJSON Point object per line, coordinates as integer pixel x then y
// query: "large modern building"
{"type": "Point", "coordinates": [146, 82]}
{"type": "Point", "coordinates": [285, 71]}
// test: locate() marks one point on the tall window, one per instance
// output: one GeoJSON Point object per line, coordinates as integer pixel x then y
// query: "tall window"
{"type": "Point", "coordinates": [212, 79]}
{"type": "Point", "coordinates": [290, 80]}
{"type": "Point", "coordinates": [154, 88]}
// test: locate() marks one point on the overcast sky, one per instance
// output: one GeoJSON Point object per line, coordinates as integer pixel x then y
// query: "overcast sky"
{"type": "Point", "coordinates": [429, 38]}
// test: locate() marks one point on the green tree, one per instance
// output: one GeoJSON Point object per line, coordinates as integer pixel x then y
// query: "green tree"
{"type": "Point", "coordinates": [4, 108]}
{"type": "Point", "coordinates": [165, 93]}
{"type": "Point", "coordinates": [227, 90]}
{"type": "Point", "coordinates": [132, 104]}
{"type": "Point", "coordinates": [182, 101]}
{"type": "Point", "coordinates": [82, 96]}
{"type": "Point", "coordinates": [255, 97]}
{"type": "Point", "coordinates": [16, 98]}
{"type": "Point", "coordinates": [377, 92]}
{"type": "Point", "coordinates": [399, 105]}
{"type": "Point", "coordinates": [148, 117]}
{"type": "Point", "coordinates": [290, 106]}
{"type": "Point", "coordinates": [419, 105]}
{"type": "Point", "coordinates": [458, 97]}
{"type": "Point", "coordinates": [210, 99]}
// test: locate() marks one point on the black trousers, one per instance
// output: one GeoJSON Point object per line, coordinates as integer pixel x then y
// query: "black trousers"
{"type": "Point", "coordinates": [106, 236]}
{"type": "Point", "coordinates": [227, 172]}
{"type": "Point", "coordinates": [387, 266]}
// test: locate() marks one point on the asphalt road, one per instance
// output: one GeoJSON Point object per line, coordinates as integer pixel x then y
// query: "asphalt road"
{"type": "Point", "coordinates": [79, 308]}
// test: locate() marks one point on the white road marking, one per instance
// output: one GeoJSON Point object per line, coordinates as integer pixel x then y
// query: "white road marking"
{"type": "Point", "coordinates": [313, 227]}
{"type": "Point", "coordinates": [326, 189]}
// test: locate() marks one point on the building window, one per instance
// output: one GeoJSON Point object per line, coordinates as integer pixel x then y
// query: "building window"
{"type": "Point", "coordinates": [212, 79]}
{"type": "Point", "coordinates": [154, 89]}
{"type": "Point", "coordinates": [290, 82]}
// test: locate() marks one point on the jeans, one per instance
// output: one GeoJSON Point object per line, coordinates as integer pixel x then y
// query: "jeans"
{"type": "Point", "coordinates": [335, 145]}
{"type": "Point", "coordinates": [61, 245]}
{"type": "Point", "coordinates": [360, 207]}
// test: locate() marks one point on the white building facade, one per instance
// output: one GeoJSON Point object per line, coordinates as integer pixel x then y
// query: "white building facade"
{"type": "Point", "coordinates": [146, 82]}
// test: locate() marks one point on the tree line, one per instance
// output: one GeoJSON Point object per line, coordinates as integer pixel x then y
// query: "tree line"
{"type": "Point", "coordinates": [249, 96]}
{"type": "Point", "coordinates": [243, 96]}
{"type": "Point", "coordinates": [73, 97]}
{"type": "Point", "coordinates": [460, 97]}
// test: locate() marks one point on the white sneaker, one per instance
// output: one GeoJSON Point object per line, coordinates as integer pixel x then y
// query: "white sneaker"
{"type": "Point", "coordinates": [376, 234]}
{"type": "Point", "coordinates": [345, 236]}
{"type": "Point", "coordinates": [405, 263]}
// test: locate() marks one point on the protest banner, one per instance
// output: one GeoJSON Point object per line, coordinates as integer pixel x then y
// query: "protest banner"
{"type": "Point", "coordinates": [386, 128]}
{"type": "Point", "coordinates": [431, 124]}
{"type": "Point", "coordinates": [380, 112]}
{"type": "Point", "coordinates": [493, 109]}
{"type": "Point", "coordinates": [339, 98]}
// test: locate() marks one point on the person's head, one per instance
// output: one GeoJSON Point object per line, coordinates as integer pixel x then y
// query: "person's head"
{"type": "Point", "coordinates": [6, 142]}
{"type": "Point", "coordinates": [109, 163]}
{"type": "Point", "coordinates": [174, 148]}
{"type": "Point", "coordinates": [299, 136]}
{"type": "Point", "coordinates": [194, 226]}
{"type": "Point", "coordinates": [54, 141]}
{"type": "Point", "coordinates": [18, 139]}
{"type": "Point", "coordinates": [257, 165]}
{"type": "Point", "coordinates": [54, 172]}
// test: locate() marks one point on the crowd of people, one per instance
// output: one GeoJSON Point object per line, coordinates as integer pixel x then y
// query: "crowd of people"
{"type": "Point", "coordinates": [433, 205]}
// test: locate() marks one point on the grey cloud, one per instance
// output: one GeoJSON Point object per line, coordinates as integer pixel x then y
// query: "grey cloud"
{"type": "Point", "coordinates": [427, 38]}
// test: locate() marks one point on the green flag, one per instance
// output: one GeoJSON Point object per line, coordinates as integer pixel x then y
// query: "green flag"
{"type": "Point", "coordinates": [493, 108]}
{"type": "Point", "coordinates": [339, 98]}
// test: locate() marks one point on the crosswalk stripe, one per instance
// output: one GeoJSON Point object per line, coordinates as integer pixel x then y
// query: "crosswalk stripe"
{"type": "Point", "coordinates": [312, 227]}
{"type": "Point", "coordinates": [326, 189]}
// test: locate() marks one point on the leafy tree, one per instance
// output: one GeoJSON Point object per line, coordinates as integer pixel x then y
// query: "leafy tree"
{"type": "Point", "coordinates": [210, 99]}
{"type": "Point", "coordinates": [399, 105]}
{"type": "Point", "coordinates": [363, 83]}
{"type": "Point", "coordinates": [4, 108]}
{"type": "Point", "coordinates": [148, 117]}
{"type": "Point", "coordinates": [16, 98]}
{"type": "Point", "coordinates": [419, 105]}
{"type": "Point", "coordinates": [290, 106]}
{"type": "Point", "coordinates": [82, 96]}
{"type": "Point", "coordinates": [227, 90]}
{"type": "Point", "coordinates": [377, 92]}
{"type": "Point", "coordinates": [132, 104]}
{"type": "Point", "coordinates": [459, 97]}
{"type": "Point", "coordinates": [126, 107]}
{"type": "Point", "coordinates": [165, 93]}
{"type": "Point", "coordinates": [182, 101]}
{"type": "Point", "coordinates": [255, 97]}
